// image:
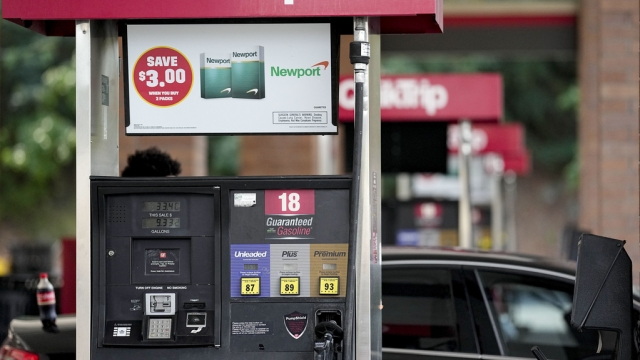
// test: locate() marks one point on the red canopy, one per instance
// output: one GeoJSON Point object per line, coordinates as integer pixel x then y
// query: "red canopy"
{"type": "Point", "coordinates": [58, 17]}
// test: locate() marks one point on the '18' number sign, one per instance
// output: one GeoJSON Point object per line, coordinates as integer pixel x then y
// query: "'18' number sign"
{"type": "Point", "coordinates": [278, 202]}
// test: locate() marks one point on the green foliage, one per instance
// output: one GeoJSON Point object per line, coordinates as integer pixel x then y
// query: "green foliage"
{"type": "Point", "coordinates": [540, 94]}
{"type": "Point", "coordinates": [224, 155]}
{"type": "Point", "coordinates": [37, 131]}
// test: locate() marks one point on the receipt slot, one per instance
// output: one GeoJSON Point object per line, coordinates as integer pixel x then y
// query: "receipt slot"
{"type": "Point", "coordinates": [219, 268]}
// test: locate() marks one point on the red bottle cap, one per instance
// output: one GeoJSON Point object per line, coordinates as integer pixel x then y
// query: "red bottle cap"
{"type": "Point", "coordinates": [43, 275]}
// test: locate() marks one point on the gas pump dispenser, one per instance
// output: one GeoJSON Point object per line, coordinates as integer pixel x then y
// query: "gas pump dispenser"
{"type": "Point", "coordinates": [225, 268]}
{"type": "Point", "coordinates": [218, 268]}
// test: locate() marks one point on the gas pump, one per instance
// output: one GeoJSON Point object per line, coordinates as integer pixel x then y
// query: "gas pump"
{"type": "Point", "coordinates": [224, 268]}
{"type": "Point", "coordinates": [220, 268]}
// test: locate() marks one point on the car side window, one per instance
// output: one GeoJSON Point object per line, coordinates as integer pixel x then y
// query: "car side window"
{"type": "Point", "coordinates": [530, 311]}
{"type": "Point", "coordinates": [420, 310]}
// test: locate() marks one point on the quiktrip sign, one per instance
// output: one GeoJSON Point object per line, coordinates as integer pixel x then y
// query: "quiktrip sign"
{"type": "Point", "coordinates": [489, 138]}
{"type": "Point", "coordinates": [432, 97]}
{"type": "Point", "coordinates": [506, 142]}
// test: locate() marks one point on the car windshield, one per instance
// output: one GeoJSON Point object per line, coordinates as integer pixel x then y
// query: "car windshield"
{"type": "Point", "coordinates": [534, 311]}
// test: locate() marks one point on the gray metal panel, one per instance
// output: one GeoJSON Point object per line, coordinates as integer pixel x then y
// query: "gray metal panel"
{"type": "Point", "coordinates": [368, 322]}
{"type": "Point", "coordinates": [375, 163]}
{"type": "Point", "coordinates": [97, 73]}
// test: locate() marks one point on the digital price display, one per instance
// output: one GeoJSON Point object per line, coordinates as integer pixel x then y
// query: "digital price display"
{"type": "Point", "coordinates": [161, 206]}
{"type": "Point", "coordinates": [169, 223]}
{"type": "Point", "coordinates": [249, 286]}
{"type": "Point", "coordinates": [329, 285]}
{"type": "Point", "coordinates": [289, 286]}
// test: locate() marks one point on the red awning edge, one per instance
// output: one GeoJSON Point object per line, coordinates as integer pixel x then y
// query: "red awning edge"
{"type": "Point", "coordinates": [58, 17]}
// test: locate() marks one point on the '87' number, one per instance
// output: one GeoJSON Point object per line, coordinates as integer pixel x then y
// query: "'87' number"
{"type": "Point", "coordinates": [291, 202]}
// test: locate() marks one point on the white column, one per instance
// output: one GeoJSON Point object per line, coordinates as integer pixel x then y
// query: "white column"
{"type": "Point", "coordinates": [97, 84]}
{"type": "Point", "coordinates": [465, 221]}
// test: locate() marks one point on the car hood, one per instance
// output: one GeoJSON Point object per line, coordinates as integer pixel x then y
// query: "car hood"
{"type": "Point", "coordinates": [26, 332]}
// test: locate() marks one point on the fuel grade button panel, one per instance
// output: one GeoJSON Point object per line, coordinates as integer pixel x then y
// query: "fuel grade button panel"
{"type": "Point", "coordinates": [249, 286]}
{"type": "Point", "coordinates": [329, 285]}
{"type": "Point", "coordinates": [290, 285]}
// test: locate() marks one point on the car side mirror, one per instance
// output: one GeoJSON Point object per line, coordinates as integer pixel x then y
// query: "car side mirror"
{"type": "Point", "coordinates": [602, 297]}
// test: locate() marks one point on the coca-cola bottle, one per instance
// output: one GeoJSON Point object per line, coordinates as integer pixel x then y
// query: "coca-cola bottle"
{"type": "Point", "coordinates": [47, 303]}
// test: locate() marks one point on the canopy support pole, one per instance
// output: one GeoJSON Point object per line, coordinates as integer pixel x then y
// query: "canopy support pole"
{"type": "Point", "coordinates": [97, 110]}
{"type": "Point", "coordinates": [368, 338]}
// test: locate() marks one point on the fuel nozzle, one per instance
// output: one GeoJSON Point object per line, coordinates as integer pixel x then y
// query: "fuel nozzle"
{"type": "Point", "coordinates": [328, 335]}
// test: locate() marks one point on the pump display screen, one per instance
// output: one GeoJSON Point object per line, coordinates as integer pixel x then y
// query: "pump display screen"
{"type": "Point", "coordinates": [165, 223]}
{"type": "Point", "coordinates": [161, 206]}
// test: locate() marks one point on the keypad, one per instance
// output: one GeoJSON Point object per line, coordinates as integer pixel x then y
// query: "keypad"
{"type": "Point", "coordinates": [159, 328]}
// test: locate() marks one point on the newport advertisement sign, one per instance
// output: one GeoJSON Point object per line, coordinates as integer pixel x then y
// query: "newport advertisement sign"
{"type": "Point", "coordinates": [228, 79]}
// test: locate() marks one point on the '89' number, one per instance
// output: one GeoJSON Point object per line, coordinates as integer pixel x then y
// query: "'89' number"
{"type": "Point", "coordinates": [290, 202]}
